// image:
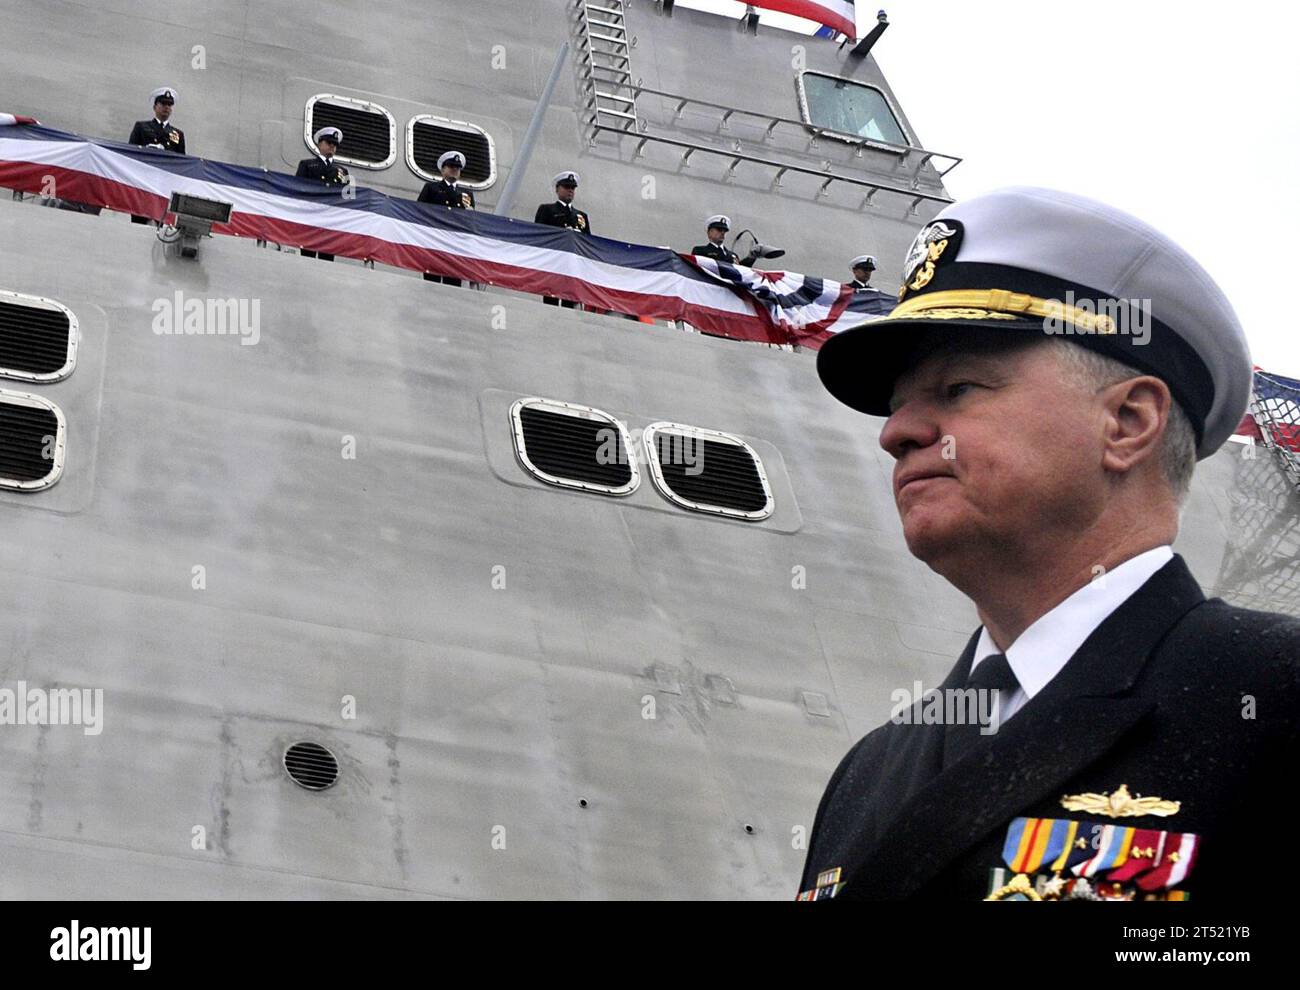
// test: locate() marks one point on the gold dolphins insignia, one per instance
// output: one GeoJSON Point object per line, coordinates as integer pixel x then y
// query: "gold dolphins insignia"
{"type": "Point", "coordinates": [1120, 804]}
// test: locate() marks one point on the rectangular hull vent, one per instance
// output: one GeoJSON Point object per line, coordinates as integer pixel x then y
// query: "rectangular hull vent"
{"type": "Point", "coordinates": [427, 137]}
{"type": "Point", "coordinates": [573, 446]}
{"type": "Point", "coordinates": [369, 131]}
{"type": "Point", "coordinates": [38, 339]}
{"type": "Point", "coordinates": [707, 471]}
{"type": "Point", "coordinates": [32, 437]}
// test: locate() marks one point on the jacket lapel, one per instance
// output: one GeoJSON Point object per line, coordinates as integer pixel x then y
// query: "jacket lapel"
{"type": "Point", "coordinates": [1073, 721]}
{"type": "Point", "coordinates": [914, 756]}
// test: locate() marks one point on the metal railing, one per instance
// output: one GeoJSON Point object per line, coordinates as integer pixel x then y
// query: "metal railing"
{"type": "Point", "coordinates": [606, 72]}
{"type": "Point", "coordinates": [860, 144]}
{"type": "Point", "coordinates": [827, 175]}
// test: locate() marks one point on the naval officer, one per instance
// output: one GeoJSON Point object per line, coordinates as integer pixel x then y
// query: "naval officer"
{"type": "Point", "coordinates": [447, 191]}
{"type": "Point", "coordinates": [1050, 376]}
{"type": "Point", "coordinates": [562, 213]}
{"type": "Point", "coordinates": [716, 231]}
{"type": "Point", "coordinates": [322, 167]}
{"type": "Point", "coordinates": [158, 132]}
{"type": "Point", "coordinates": [862, 266]}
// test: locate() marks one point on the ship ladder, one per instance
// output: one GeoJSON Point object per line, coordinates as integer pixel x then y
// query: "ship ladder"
{"type": "Point", "coordinates": [606, 72]}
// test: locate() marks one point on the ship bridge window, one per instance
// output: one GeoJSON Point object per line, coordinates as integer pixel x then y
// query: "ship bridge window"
{"type": "Point", "coordinates": [707, 471]}
{"type": "Point", "coordinates": [38, 338]}
{"type": "Point", "coordinates": [369, 131]}
{"type": "Point", "coordinates": [33, 434]}
{"type": "Point", "coordinates": [427, 137]}
{"type": "Point", "coordinates": [574, 446]}
{"type": "Point", "coordinates": [849, 108]}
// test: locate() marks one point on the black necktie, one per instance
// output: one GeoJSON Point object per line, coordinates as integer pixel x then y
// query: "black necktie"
{"type": "Point", "coordinates": [993, 673]}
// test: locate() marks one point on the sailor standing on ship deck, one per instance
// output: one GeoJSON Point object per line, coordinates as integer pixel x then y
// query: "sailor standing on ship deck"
{"type": "Point", "coordinates": [562, 213]}
{"type": "Point", "coordinates": [716, 232]}
{"type": "Point", "coordinates": [447, 191]}
{"type": "Point", "coordinates": [1050, 376]}
{"type": "Point", "coordinates": [323, 167]}
{"type": "Point", "coordinates": [158, 132]}
{"type": "Point", "coordinates": [862, 266]}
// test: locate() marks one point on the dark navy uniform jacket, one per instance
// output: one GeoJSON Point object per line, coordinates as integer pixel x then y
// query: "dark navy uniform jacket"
{"type": "Point", "coordinates": [315, 167]}
{"type": "Point", "coordinates": [440, 192]}
{"type": "Point", "coordinates": [719, 251]}
{"type": "Point", "coordinates": [1158, 698]}
{"type": "Point", "coordinates": [722, 253]}
{"type": "Point", "coordinates": [147, 132]}
{"type": "Point", "coordinates": [559, 214]}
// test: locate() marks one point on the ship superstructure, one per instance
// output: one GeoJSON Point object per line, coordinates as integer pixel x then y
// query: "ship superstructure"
{"type": "Point", "coordinates": [356, 534]}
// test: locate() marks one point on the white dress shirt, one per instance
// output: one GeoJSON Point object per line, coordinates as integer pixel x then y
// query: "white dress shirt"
{"type": "Point", "coordinates": [1040, 652]}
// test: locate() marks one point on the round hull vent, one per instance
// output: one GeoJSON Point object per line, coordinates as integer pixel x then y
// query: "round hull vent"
{"type": "Point", "coordinates": [311, 765]}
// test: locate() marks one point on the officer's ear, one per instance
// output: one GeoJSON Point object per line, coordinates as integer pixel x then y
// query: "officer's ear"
{"type": "Point", "coordinates": [1135, 416]}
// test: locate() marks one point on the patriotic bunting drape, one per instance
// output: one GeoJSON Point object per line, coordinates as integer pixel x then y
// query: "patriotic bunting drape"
{"type": "Point", "coordinates": [837, 14]}
{"type": "Point", "coordinates": [721, 299]}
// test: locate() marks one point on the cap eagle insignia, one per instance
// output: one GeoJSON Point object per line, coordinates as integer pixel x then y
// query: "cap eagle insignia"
{"type": "Point", "coordinates": [929, 246]}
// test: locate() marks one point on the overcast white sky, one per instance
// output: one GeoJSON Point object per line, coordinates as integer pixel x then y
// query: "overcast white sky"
{"type": "Point", "coordinates": [1183, 113]}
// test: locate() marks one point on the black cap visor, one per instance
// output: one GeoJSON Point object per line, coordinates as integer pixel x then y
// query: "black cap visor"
{"type": "Point", "coordinates": [859, 366]}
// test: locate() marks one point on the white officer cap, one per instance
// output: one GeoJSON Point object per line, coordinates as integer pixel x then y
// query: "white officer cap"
{"type": "Point", "coordinates": [719, 220]}
{"type": "Point", "coordinates": [163, 92]}
{"type": "Point", "coordinates": [455, 157]}
{"type": "Point", "coordinates": [1041, 261]}
{"type": "Point", "coordinates": [331, 132]}
{"type": "Point", "coordinates": [565, 178]}
{"type": "Point", "coordinates": [863, 261]}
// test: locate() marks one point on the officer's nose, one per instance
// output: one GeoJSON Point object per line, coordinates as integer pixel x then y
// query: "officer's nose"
{"type": "Point", "coordinates": [912, 425]}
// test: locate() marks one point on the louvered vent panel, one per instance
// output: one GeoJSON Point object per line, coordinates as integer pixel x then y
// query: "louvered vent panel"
{"type": "Point", "coordinates": [23, 442]}
{"type": "Point", "coordinates": [431, 139]}
{"type": "Point", "coordinates": [367, 134]}
{"type": "Point", "coordinates": [710, 473]}
{"type": "Point", "coordinates": [33, 340]}
{"type": "Point", "coordinates": [574, 447]}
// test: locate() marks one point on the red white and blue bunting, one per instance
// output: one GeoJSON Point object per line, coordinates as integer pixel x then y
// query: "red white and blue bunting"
{"type": "Point", "coordinates": [602, 273]}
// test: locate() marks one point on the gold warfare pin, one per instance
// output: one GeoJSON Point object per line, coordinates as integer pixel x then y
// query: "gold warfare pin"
{"type": "Point", "coordinates": [1119, 804]}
